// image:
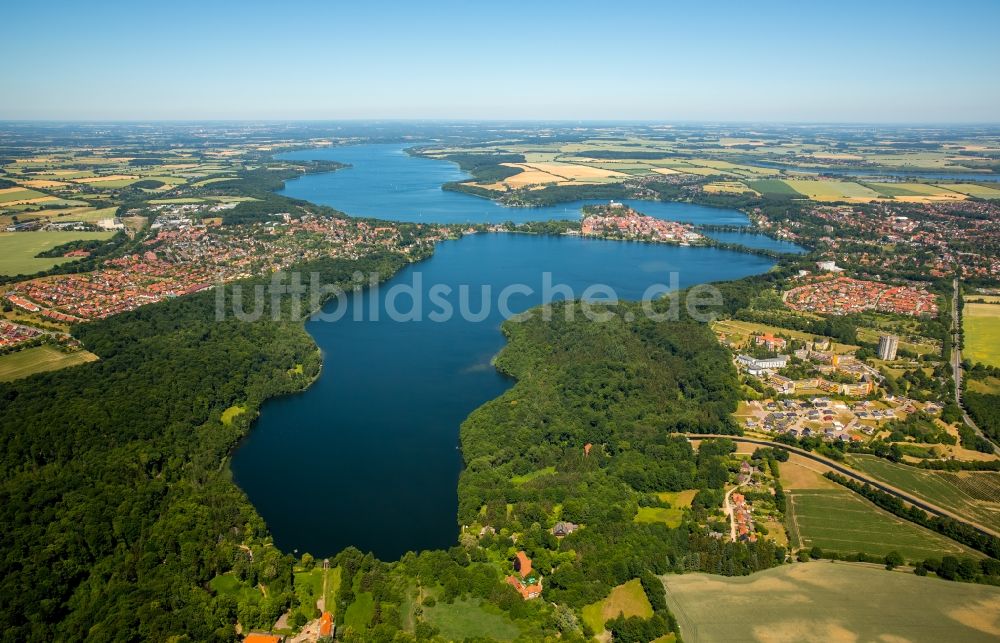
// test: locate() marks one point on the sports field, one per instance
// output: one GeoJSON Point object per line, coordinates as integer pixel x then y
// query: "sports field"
{"type": "Point", "coordinates": [981, 326]}
{"type": "Point", "coordinates": [38, 360]}
{"type": "Point", "coordinates": [975, 494]}
{"type": "Point", "coordinates": [18, 249]}
{"type": "Point", "coordinates": [827, 602]}
{"type": "Point", "coordinates": [825, 515]}
{"type": "Point", "coordinates": [628, 599]}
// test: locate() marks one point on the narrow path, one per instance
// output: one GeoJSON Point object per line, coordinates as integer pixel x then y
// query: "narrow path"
{"type": "Point", "coordinates": [728, 509]}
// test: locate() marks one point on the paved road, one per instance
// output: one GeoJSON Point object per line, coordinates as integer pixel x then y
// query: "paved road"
{"type": "Point", "coordinates": [956, 364]}
{"type": "Point", "coordinates": [856, 475]}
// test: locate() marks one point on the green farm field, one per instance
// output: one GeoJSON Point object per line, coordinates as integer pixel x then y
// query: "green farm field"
{"type": "Point", "coordinates": [981, 326]}
{"type": "Point", "coordinates": [973, 189]}
{"type": "Point", "coordinates": [837, 519]}
{"type": "Point", "coordinates": [831, 602]}
{"type": "Point", "coordinates": [39, 360]}
{"type": "Point", "coordinates": [832, 190]}
{"type": "Point", "coordinates": [975, 494]}
{"type": "Point", "coordinates": [18, 249]}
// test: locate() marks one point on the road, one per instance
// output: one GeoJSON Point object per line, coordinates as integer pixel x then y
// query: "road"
{"type": "Point", "coordinates": [856, 475]}
{"type": "Point", "coordinates": [728, 509]}
{"type": "Point", "coordinates": [956, 363]}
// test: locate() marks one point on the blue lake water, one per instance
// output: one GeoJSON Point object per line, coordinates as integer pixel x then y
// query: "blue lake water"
{"type": "Point", "coordinates": [368, 455]}
{"type": "Point", "coordinates": [386, 182]}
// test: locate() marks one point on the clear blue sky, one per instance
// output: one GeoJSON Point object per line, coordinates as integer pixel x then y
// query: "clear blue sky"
{"type": "Point", "coordinates": [756, 60]}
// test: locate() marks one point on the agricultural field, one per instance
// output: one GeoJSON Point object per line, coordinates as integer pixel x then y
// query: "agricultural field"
{"type": "Point", "coordinates": [19, 195]}
{"type": "Point", "coordinates": [628, 599]}
{"type": "Point", "coordinates": [471, 619]}
{"type": "Point", "coordinates": [774, 188]}
{"type": "Point", "coordinates": [827, 602]}
{"type": "Point", "coordinates": [837, 519]}
{"type": "Point", "coordinates": [728, 187]}
{"type": "Point", "coordinates": [973, 189]}
{"type": "Point", "coordinates": [18, 249]}
{"type": "Point", "coordinates": [915, 192]}
{"type": "Point", "coordinates": [832, 190]}
{"type": "Point", "coordinates": [39, 359]}
{"type": "Point", "coordinates": [974, 494]}
{"type": "Point", "coordinates": [981, 328]}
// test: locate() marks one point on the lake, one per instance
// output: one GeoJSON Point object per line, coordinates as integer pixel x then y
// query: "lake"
{"type": "Point", "coordinates": [386, 182]}
{"type": "Point", "coordinates": [368, 455]}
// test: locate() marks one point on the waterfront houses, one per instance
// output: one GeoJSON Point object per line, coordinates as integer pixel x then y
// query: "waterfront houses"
{"type": "Point", "coordinates": [618, 221]}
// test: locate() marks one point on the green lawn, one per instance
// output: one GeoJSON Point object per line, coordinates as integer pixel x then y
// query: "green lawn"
{"type": "Point", "coordinates": [230, 414]}
{"type": "Point", "coordinates": [824, 601]}
{"type": "Point", "coordinates": [309, 588]}
{"type": "Point", "coordinates": [981, 326]}
{"type": "Point", "coordinates": [18, 249]}
{"type": "Point", "coordinates": [528, 477]}
{"type": "Point", "coordinates": [669, 516]}
{"type": "Point", "coordinates": [953, 491]}
{"type": "Point", "coordinates": [628, 599]}
{"type": "Point", "coordinates": [39, 360]}
{"type": "Point", "coordinates": [358, 614]}
{"type": "Point", "coordinates": [837, 519]}
{"type": "Point", "coordinates": [471, 619]}
{"type": "Point", "coordinates": [229, 585]}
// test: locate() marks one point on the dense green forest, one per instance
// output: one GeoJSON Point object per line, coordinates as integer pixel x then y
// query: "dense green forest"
{"type": "Point", "coordinates": [113, 495]}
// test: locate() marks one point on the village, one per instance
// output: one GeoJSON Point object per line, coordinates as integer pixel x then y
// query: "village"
{"type": "Point", "coordinates": [618, 221]}
{"type": "Point", "coordinates": [843, 295]}
{"type": "Point", "coordinates": [184, 255]}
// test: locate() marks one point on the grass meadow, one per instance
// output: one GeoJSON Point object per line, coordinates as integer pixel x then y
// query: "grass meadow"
{"type": "Point", "coordinates": [39, 359]}
{"type": "Point", "coordinates": [18, 249]}
{"type": "Point", "coordinates": [628, 599]}
{"type": "Point", "coordinates": [981, 326]}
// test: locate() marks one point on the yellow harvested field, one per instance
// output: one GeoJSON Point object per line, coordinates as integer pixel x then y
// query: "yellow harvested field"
{"type": "Point", "coordinates": [528, 176]}
{"type": "Point", "coordinates": [42, 183]}
{"type": "Point", "coordinates": [665, 170]}
{"type": "Point", "coordinates": [573, 171]}
{"type": "Point", "coordinates": [831, 603]}
{"type": "Point", "coordinates": [728, 187]}
{"type": "Point", "coordinates": [109, 177]}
